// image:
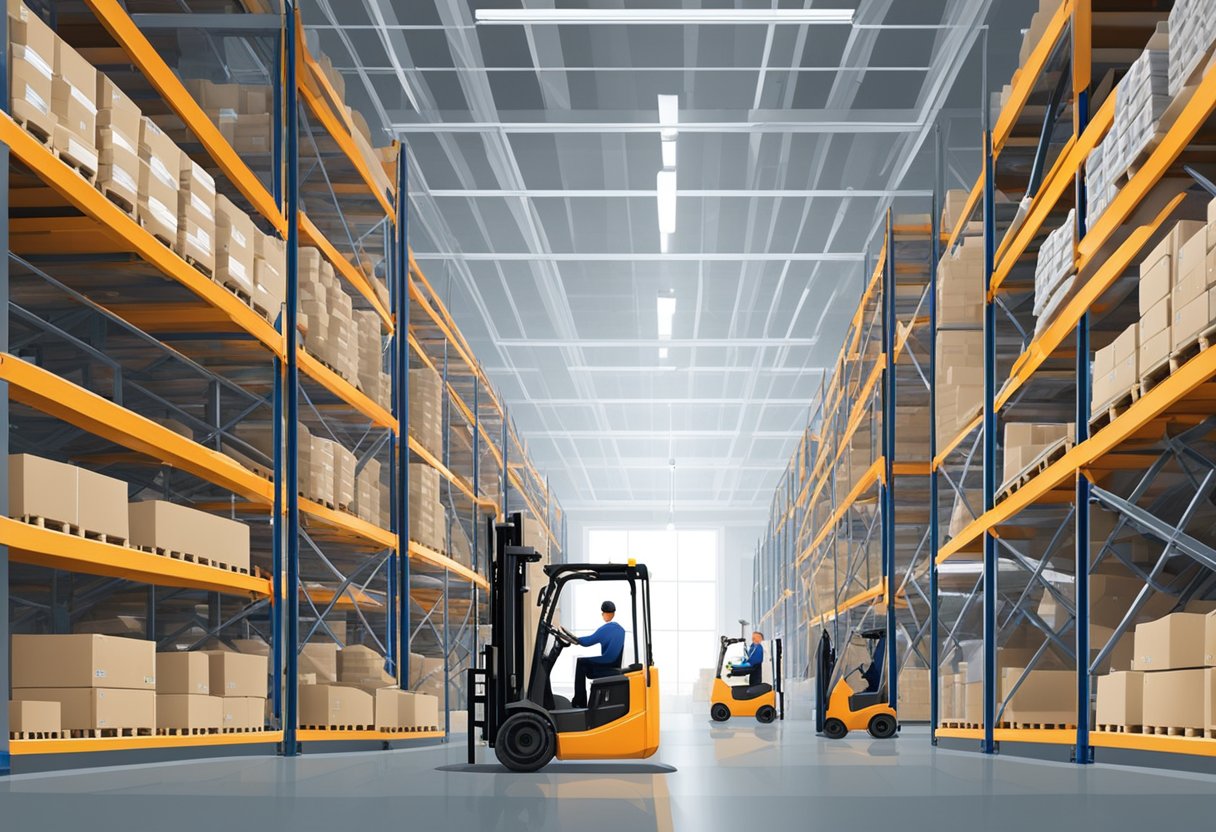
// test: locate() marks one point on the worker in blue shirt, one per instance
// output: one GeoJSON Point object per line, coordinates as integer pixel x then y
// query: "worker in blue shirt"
{"type": "Point", "coordinates": [752, 665]}
{"type": "Point", "coordinates": [611, 639]}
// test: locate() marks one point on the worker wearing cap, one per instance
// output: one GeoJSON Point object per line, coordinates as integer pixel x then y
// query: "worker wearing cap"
{"type": "Point", "coordinates": [611, 639]}
{"type": "Point", "coordinates": [752, 665]}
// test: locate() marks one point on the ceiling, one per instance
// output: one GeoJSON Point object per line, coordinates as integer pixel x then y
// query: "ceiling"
{"type": "Point", "coordinates": [534, 152]}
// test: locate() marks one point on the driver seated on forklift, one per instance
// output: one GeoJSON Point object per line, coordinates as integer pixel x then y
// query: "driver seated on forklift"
{"type": "Point", "coordinates": [752, 665]}
{"type": "Point", "coordinates": [611, 639]}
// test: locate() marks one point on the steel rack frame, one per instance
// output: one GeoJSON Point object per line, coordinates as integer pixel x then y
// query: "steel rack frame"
{"type": "Point", "coordinates": [119, 354]}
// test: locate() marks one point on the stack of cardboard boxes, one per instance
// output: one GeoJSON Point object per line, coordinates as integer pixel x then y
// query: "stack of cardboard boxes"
{"type": "Point", "coordinates": [960, 387]}
{"type": "Point", "coordinates": [269, 274]}
{"type": "Point", "coordinates": [59, 492]}
{"type": "Point", "coordinates": [426, 408]}
{"type": "Point", "coordinates": [1192, 25]}
{"type": "Point", "coordinates": [74, 103]}
{"type": "Point", "coordinates": [242, 112]}
{"type": "Point", "coordinates": [196, 199]}
{"type": "Point", "coordinates": [118, 128]}
{"type": "Point", "coordinates": [101, 683]}
{"type": "Point", "coordinates": [960, 286]}
{"type": "Point", "coordinates": [952, 209]}
{"type": "Point", "coordinates": [1193, 295]}
{"type": "Point", "coordinates": [31, 71]}
{"type": "Point", "coordinates": [1038, 26]}
{"type": "Point", "coordinates": [371, 377]}
{"type": "Point", "coordinates": [1116, 369]}
{"type": "Point", "coordinates": [428, 520]}
{"type": "Point", "coordinates": [158, 524]}
{"type": "Point", "coordinates": [184, 702]}
{"type": "Point", "coordinates": [349, 688]}
{"type": "Point", "coordinates": [1025, 441]}
{"type": "Point", "coordinates": [1172, 685]}
{"type": "Point", "coordinates": [1158, 276]}
{"type": "Point", "coordinates": [234, 248]}
{"type": "Point", "coordinates": [367, 493]}
{"type": "Point", "coordinates": [160, 163]}
{"type": "Point", "coordinates": [965, 509]}
{"type": "Point", "coordinates": [1053, 270]}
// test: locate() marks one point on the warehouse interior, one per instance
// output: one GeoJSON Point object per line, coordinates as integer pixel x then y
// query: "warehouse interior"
{"type": "Point", "coordinates": [575, 414]}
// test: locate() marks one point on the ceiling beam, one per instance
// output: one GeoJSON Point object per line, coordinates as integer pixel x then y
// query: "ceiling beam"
{"type": "Point", "coordinates": [685, 193]}
{"type": "Point", "coordinates": [671, 343]}
{"type": "Point", "coordinates": [643, 256]}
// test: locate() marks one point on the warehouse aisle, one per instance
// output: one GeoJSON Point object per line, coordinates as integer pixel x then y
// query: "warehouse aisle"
{"type": "Point", "coordinates": [741, 777]}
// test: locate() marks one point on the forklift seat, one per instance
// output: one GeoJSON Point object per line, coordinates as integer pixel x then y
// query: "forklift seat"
{"type": "Point", "coordinates": [609, 701]}
{"type": "Point", "coordinates": [749, 691]}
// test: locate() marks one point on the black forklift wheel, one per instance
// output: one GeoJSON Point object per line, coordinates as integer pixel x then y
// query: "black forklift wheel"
{"type": "Point", "coordinates": [766, 714]}
{"type": "Point", "coordinates": [526, 742]}
{"type": "Point", "coordinates": [882, 727]}
{"type": "Point", "coordinates": [719, 712]}
{"type": "Point", "coordinates": [834, 729]}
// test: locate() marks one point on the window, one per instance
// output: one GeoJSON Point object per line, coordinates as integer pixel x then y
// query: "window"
{"type": "Point", "coordinates": [683, 568]}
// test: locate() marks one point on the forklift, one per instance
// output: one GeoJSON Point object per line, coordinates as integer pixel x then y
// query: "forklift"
{"type": "Point", "coordinates": [524, 722]}
{"type": "Point", "coordinates": [763, 701]}
{"type": "Point", "coordinates": [845, 710]}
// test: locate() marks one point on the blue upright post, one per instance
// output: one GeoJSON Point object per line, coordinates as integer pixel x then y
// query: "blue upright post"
{"type": "Point", "coordinates": [888, 452]}
{"type": "Point", "coordinates": [934, 256]}
{"type": "Point", "coordinates": [1083, 752]}
{"type": "Point", "coordinates": [988, 745]}
{"type": "Point", "coordinates": [401, 390]}
{"type": "Point", "coordinates": [291, 389]}
{"type": "Point", "coordinates": [5, 759]}
{"type": "Point", "coordinates": [391, 619]}
{"type": "Point", "coordinates": [476, 479]}
{"type": "Point", "coordinates": [277, 621]}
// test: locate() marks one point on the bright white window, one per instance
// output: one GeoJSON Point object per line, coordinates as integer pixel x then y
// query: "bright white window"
{"type": "Point", "coordinates": [683, 567]}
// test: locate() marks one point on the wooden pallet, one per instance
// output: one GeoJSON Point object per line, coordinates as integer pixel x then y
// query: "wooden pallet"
{"type": "Point", "coordinates": [338, 727]}
{"type": "Point", "coordinates": [112, 733]}
{"type": "Point", "coordinates": [232, 730]}
{"type": "Point", "coordinates": [1120, 729]}
{"type": "Point", "coordinates": [87, 171]}
{"type": "Point", "coordinates": [1152, 376]}
{"type": "Point", "coordinates": [1113, 409]}
{"type": "Point", "coordinates": [955, 723]}
{"type": "Point", "coordinates": [42, 135]}
{"type": "Point", "coordinates": [192, 558]}
{"type": "Point", "coordinates": [1173, 731]}
{"type": "Point", "coordinates": [186, 732]}
{"type": "Point", "coordinates": [193, 261]}
{"type": "Point", "coordinates": [408, 729]}
{"type": "Point", "coordinates": [1192, 348]}
{"type": "Point", "coordinates": [72, 529]}
{"type": "Point", "coordinates": [1039, 726]}
{"type": "Point", "coordinates": [143, 223]}
{"type": "Point", "coordinates": [37, 735]}
{"type": "Point", "coordinates": [119, 200]}
{"type": "Point", "coordinates": [1047, 457]}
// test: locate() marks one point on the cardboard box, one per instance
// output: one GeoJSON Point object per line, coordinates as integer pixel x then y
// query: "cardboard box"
{"type": "Point", "coordinates": [269, 274]}
{"type": "Point", "coordinates": [34, 717]}
{"type": "Point", "coordinates": [973, 702]}
{"type": "Point", "coordinates": [1170, 643]}
{"type": "Point", "coordinates": [85, 708]}
{"type": "Point", "coordinates": [31, 70]}
{"type": "Point", "coordinates": [336, 705]}
{"type": "Point", "coordinates": [421, 710]}
{"type": "Point", "coordinates": [234, 241]}
{"type": "Point", "coordinates": [74, 94]}
{"type": "Point", "coordinates": [1044, 696]}
{"type": "Point", "coordinates": [83, 661]}
{"type": "Point", "coordinates": [1191, 273]}
{"type": "Point", "coordinates": [117, 168]}
{"type": "Point", "coordinates": [1121, 698]}
{"type": "Point", "coordinates": [237, 674]}
{"type": "Point", "coordinates": [321, 470]}
{"type": "Point", "coordinates": [183, 673]}
{"type": "Point", "coordinates": [159, 178]}
{"type": "Point", "coordinates": [320, 658]}
{"type": "Point", "coordinates": [101, 504]}
{"type": "Point", "coordinates": [344, 478]}
{"type": "Point", "coordinates": [1209, 698]}
{"type": "Point", "coordinates": [196, 215]}
{"type": "Point", "coordinates": [189, 711]}
{"type": "Point", "coordinates": [243, 713]}
{"type": "Point", "coordinates": [1156, 349]}
{"type": "Point", "coordinates": [39, 487]}
{"type": "Point", "coordinates": [1159, 270]}
{"type": "Point", "coordinates": [117, 112]}
{"type": "Point", "coordinates": [1191, 318]}
{"type": "Point", "coordinates": [176, 528]}
{"type": "Point", "coordinates": [1174, 698]}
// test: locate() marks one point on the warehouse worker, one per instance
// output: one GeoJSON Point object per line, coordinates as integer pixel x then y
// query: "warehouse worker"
{"type": "Point", "coordinates": [611, 639]}
{"type": "Point", "coordinates": [752, 665]}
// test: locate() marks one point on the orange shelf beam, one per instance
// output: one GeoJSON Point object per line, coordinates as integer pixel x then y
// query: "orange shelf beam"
{"type": "Point", "coordinates": [86, 745]}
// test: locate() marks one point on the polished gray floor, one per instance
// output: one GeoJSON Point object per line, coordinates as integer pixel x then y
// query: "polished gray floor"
{"type": "Point", "coordinates": [739, 777]}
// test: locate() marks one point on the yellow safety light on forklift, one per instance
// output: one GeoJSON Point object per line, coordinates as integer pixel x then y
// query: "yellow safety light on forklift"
{"type": "Point", "coordinates": [632, 562]}
{"type": "Point", "coordinates": [525, 723]}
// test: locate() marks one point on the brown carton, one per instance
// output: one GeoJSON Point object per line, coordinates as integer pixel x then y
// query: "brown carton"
{"type": "Point", "coordinates": [176, 528]}
{"type": "Point", "coordinates": [117, 112]}
{"type": "Point", "coordinates": [31, 71]}
{"type": "Point", "coordinates": [39, 487]}
{"type": "Point", "coordinates": [269, 274]}
{"type": "Point", "coordinates": [234, 240]}
{"type": "Point", "coordinates": [1157, 281]}
{"type": "Point", "coordinates": [196, 215]}
{"type": "Point", "coordinates": [1044, 696]}
{"type": "Point", "coordinates": [83, 661]}
{"type": "Point", "coordinates": [159, 177]}
{"type": "Point", "coordinates": [117, 168]}
{"type": "Point", "coordinates": [1121, 698]}
{"type": "Point", "coordinates": [1209, 639]}
{"type": "Point", "coordinates": [238, 674]}
{"type": "Point", "coordinates": [1170, 643]}
{"type": "Point", "coordinates": [188, 711]}
{"type": "Point", "coordinates": [102, 501]}
{"type": "Point", "coordinates": [1190, 318]}
{"type": "Point", "coordinates": [1191, 272]}
{"type": "Point", "coordinates": [1174, 699]}
{"type": "Point", "coordinates": [185, 673]}
{"type": "Point", "coordinates": [85, 708]}
{"type": "Point", "coordinates": [74, 96]}
{"type": "Point", "coordinates": [321, 470]}
{"type": "Point", "coordinates": [320, 658]}
{"type": "Point", "coordinates": [1209, 698]}
{"type": "Point", "coordinates": [421, 711]}
{"type": "Point", "coordinates": [335, 705]}
{"type": "Point", "coordinates": [243, 713]}
{"type": "Point", "coordinates": [34, 717]}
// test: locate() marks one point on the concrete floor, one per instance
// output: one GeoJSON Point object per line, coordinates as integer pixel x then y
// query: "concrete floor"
{"type": "Point", "coordinates": [739, 777]}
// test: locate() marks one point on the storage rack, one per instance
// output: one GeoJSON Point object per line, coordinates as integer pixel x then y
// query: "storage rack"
{"type": "Point", "coordinates": [847, 545]}
{"type": "Point", "coordinates": [114, 347]}
{"type": "Point", "coordinates": [1131, 465]}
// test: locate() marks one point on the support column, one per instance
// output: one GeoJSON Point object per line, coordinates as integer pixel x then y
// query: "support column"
{"type": "Point", "coordinates": [935, 256]}
{"type": "Point", "coordinates": [888, 453]}
{"type": "Point", "coordinates": [401, 399]}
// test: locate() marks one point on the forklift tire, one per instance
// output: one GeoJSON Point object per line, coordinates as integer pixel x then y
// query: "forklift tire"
{"type": "Point", "coordinates": [883, 727]}
{"type": "Point", "coordinates": [526, 742]}
{"type": "Point", "coordinates": [834, 729]}
{"type": "Point", "coordinates": [719, 712]}
{"type": "Point", "coordinates": [766, 714]}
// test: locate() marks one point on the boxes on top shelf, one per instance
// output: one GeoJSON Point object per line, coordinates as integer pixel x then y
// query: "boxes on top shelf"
{"type": "Point", "coordinates": [1192, 26]}
{"type": "Point", "coordinates": [159, 180]}
{"type": "Point", "coordinates": [31, 70]}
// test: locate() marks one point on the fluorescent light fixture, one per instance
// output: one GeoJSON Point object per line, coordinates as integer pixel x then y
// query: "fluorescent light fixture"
{"type": "Point", "coordinates": [666, 309]}
{"type": "Point", "coordinates": [665, 184]}
{"type": "Point", "coordinates": [536, 17]}
{"type": "Point", "coordinates": [668, 147]}
{"type": "Point", "coordinates": [669, 118]}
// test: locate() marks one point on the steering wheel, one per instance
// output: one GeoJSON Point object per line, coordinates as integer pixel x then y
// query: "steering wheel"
{"type": "Point", "coordinates": [562, 634]}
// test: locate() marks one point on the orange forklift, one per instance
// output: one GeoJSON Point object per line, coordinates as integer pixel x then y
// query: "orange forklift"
{"type": "Point", "coordinates": [844, 709]}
